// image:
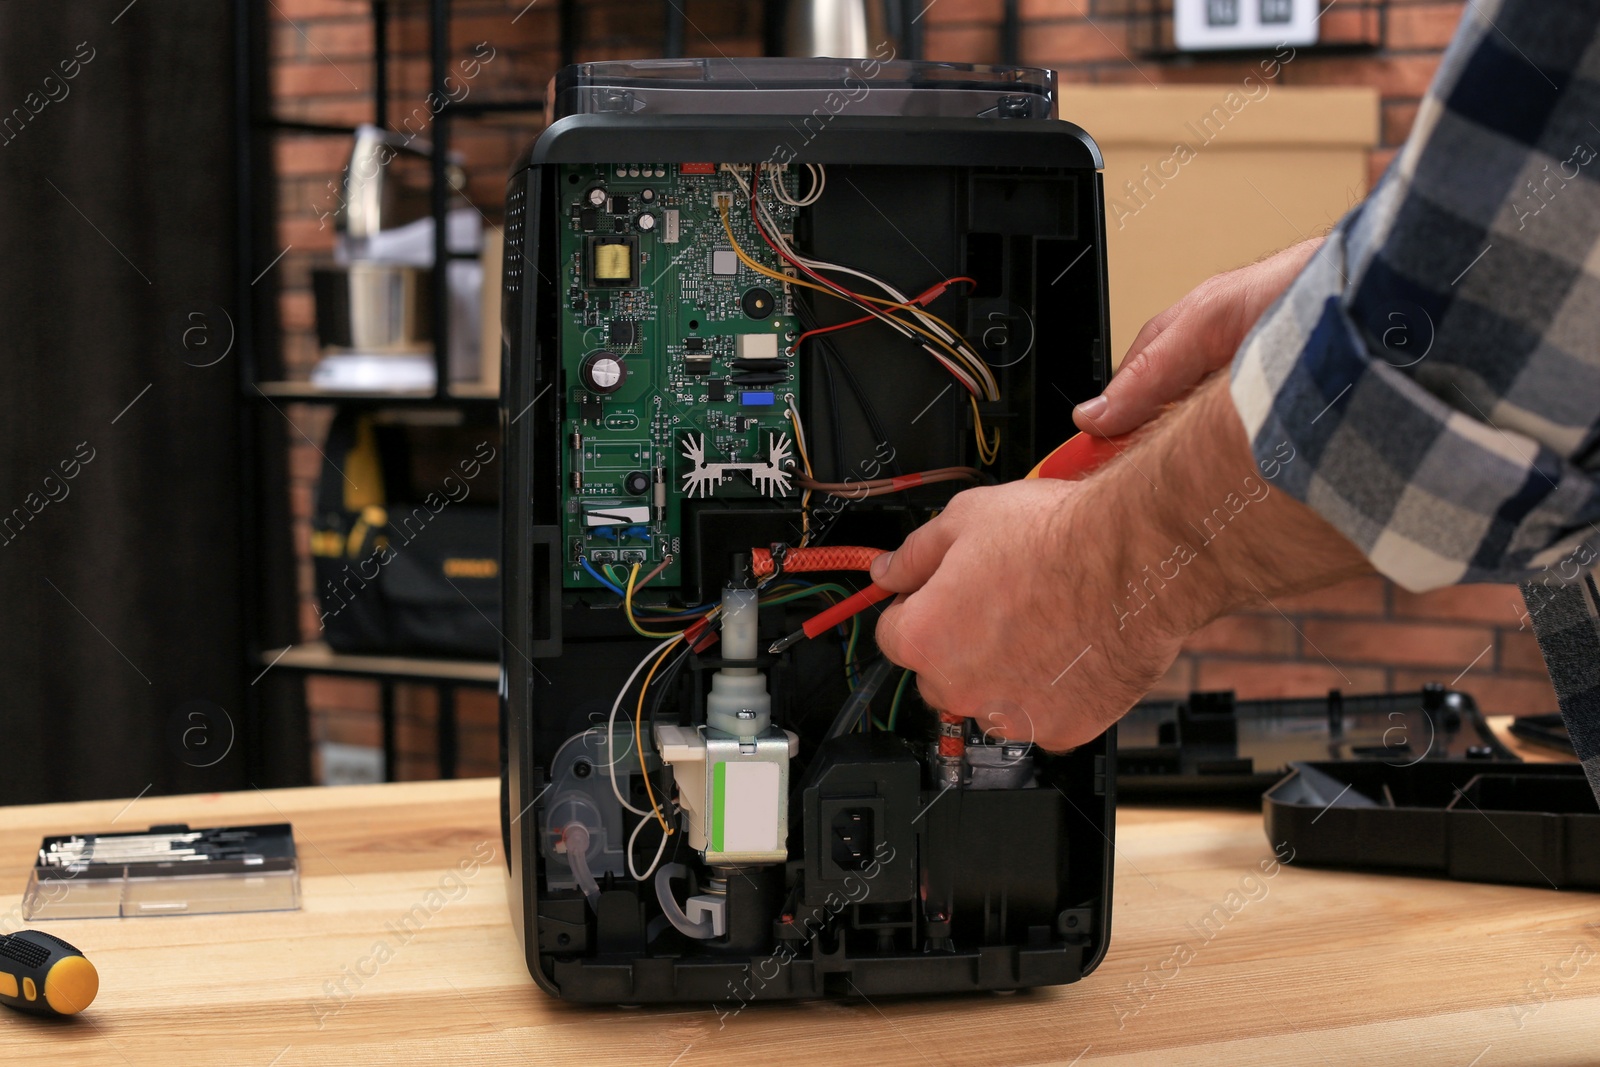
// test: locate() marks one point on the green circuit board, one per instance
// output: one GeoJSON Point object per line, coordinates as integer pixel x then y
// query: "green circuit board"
{"type": "Point", "coordinates": [674, 360]}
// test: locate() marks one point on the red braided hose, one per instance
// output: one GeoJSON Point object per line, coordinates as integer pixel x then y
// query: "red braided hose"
{"type": "Point", "coordinates": [831, 558]}
{"type": "Point", "coordinates": [952, 735]}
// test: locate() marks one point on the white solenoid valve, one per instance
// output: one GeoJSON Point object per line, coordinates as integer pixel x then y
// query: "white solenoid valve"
{"type": "Point", "coordinates": [733, 773]}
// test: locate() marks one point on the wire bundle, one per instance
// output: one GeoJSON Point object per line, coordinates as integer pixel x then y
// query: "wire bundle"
{"type": "Point", "coordinates": [884, 486]}
{"type": "Point", "coordinates": [683, 641]}
{"type": "Point", "coordinates": [908, 316]}
{"type": "Point", "coordinates": [819, 181]}
{"type": "Point", "coordinates": [937, 337]}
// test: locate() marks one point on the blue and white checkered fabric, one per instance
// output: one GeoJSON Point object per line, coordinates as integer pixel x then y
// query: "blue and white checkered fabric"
{"type": "Point", "coordinates": [1435, 370]}
{"type": "Point", "coordinates": [1436, 367]}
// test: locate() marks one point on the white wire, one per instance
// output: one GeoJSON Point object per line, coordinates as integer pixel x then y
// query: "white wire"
{"type": "Point", "coordinates": [978, 378]}
{"type": "Point", "coordinates": [775, 176]}
{"type": "Point", "coordinates": [819, 181]}
{"type": "Point", "coordinates": [805, 452]}
{"type": "Point", "coordinates": [733, 169]}
{"type": "Point", "coordinates": [799, 431]}
{"type": "Point", "coordinates": [973, 373]}
{"type": "Point", "coordinates": [611, 764]}
{"type": "Point", "coordinates": [819, 174]}
{"type": "Point", "coordinates": [611, 727]}
{"type": "Point", "coordinates": [891, 291]}
{"type": "Point", "coordinates": [660, 851]}
{"type": "Point", "coordinates": [983, 378]}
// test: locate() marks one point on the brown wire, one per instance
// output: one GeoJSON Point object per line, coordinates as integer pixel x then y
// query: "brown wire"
{"type": "Point", "coordinates": [647, 579]}
{"type": "Point", "coordinates": [885, 486]}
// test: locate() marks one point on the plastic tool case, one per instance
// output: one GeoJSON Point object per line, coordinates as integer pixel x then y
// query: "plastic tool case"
{"type": "Point", "coordinates": [693, 470]}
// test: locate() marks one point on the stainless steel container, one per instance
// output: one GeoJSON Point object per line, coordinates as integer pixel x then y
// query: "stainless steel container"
{"type": "Point", "coordinates": [843, 29]}
{"type": "Point", "coordinates": [377, 308]}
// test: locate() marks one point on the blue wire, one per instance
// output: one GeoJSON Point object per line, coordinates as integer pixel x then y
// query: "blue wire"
{"type": "Point", "coordinates": [691, 612]}
{"type": "Point", "coordinates": [583, 561]}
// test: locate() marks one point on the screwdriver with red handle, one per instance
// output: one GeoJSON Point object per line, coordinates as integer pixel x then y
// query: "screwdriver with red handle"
{"type": "Point", "coordinates": [1076, 457]}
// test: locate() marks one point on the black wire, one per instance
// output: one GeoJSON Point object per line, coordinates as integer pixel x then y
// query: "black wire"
{"type": "Point", "coordinates": [872, 681]}
{"type": "Point", "coordinates": [831, 356]}
{"type": "Point", "coordinates": [664, 685]}
{"type": "Point", "coordinates": [835, 423]}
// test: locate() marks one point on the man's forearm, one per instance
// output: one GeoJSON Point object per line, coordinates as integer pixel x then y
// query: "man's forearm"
{"type": "Point", "coordinates": [1201, 528]}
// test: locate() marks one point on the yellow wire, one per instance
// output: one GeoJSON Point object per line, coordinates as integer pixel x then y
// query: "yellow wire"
{"type": "Point", "coordinates": [627, 602]}
{"type": "Point", "coordinates": [800, 441]}
{"type": "Point", "coordinates": [986, 451]}
{"type": "Point", "coordinates": [638, 715]}
{"type": "Point", "coordinates": [805, 497]}
{"type": "Point", "coordinates": [762, 269]}
{"type": "Point", "coordinates": [882, 301]}
{"type": "Point", "coordinates": [638, 740]}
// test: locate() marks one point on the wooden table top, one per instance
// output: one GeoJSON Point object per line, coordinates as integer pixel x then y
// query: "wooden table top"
{"type": "Point", "coordinates": [1311, 966]}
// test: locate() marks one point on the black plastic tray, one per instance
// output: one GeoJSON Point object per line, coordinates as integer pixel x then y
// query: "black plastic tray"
{"type": "Point", "coordinates": [1529, 824]}
{"type": "Point", "coordinates": [1214, 744]}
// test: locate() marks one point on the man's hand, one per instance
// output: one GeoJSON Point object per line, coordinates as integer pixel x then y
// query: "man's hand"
{"type": "Point", "coordinates": [1045, 610]}
{"type": "Point", "coordinates": [1191, 339]}
{"type": "Point", "coordinates": [1010, 616]}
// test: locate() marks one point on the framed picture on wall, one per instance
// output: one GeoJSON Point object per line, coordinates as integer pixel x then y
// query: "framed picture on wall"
{"type": "Point", "coordinates": [1209, 25]}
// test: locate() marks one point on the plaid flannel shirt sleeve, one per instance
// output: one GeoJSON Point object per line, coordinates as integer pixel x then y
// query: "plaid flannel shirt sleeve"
{"type": "Point", "coordinates": [1430, 383]}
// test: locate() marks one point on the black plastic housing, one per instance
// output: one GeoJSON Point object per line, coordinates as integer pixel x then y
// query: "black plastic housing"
{"type": "Point", "coordinates": [1529, 824]}
{"type": "Point", "coordinates": [1027, 873]}
{"type": "Point", "coordinates": [1211, 744]}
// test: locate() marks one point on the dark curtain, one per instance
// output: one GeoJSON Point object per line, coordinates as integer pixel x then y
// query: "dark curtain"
{"type": "Point", "coordinates": [124, 502]}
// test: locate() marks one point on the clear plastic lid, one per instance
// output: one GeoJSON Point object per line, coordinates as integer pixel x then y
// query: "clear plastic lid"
{"type": "Point", "coordinates": [166, 870]}
{"type": "Point", "coordinates": [804, 87]}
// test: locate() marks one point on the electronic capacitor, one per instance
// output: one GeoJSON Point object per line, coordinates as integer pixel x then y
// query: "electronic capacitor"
{"type": "Point", "coordinates": [603, 372]}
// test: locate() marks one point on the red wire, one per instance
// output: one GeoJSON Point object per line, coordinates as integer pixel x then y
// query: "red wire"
{"type": "Point", "coordinates": [755, 218]}
{"type": "Point", "coordinates": [798, 341]}
{"type": "Point", "coordinates": [854, 298]}
{"type": "Point", "coordinates": [923, 299]}
{"type": "Point", "coordinates": [816, 558]}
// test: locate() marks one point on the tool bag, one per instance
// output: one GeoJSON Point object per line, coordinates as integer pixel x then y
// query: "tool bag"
{"type": "Point", "coordinates": [405, 539]}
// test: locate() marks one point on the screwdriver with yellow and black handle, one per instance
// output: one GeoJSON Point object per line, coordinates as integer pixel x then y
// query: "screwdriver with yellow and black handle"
{"type": "Point", "coordinates": [42, 974]}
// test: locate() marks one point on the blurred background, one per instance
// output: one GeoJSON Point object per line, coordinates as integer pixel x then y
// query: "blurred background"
{"type": "Point", "coordinates": [224, 318]}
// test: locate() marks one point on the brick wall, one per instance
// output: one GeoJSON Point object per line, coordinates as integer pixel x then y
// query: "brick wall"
{"type": "Point", "coordinates": [1363, 636]}
{"type": "Point", "coordinates": [321, 72]}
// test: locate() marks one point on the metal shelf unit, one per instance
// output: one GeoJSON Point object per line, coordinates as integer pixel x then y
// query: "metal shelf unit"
{"type": "Point", "coordinates": [257, 124]}
{"type": "Point", "coordinates": [266, 652]}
